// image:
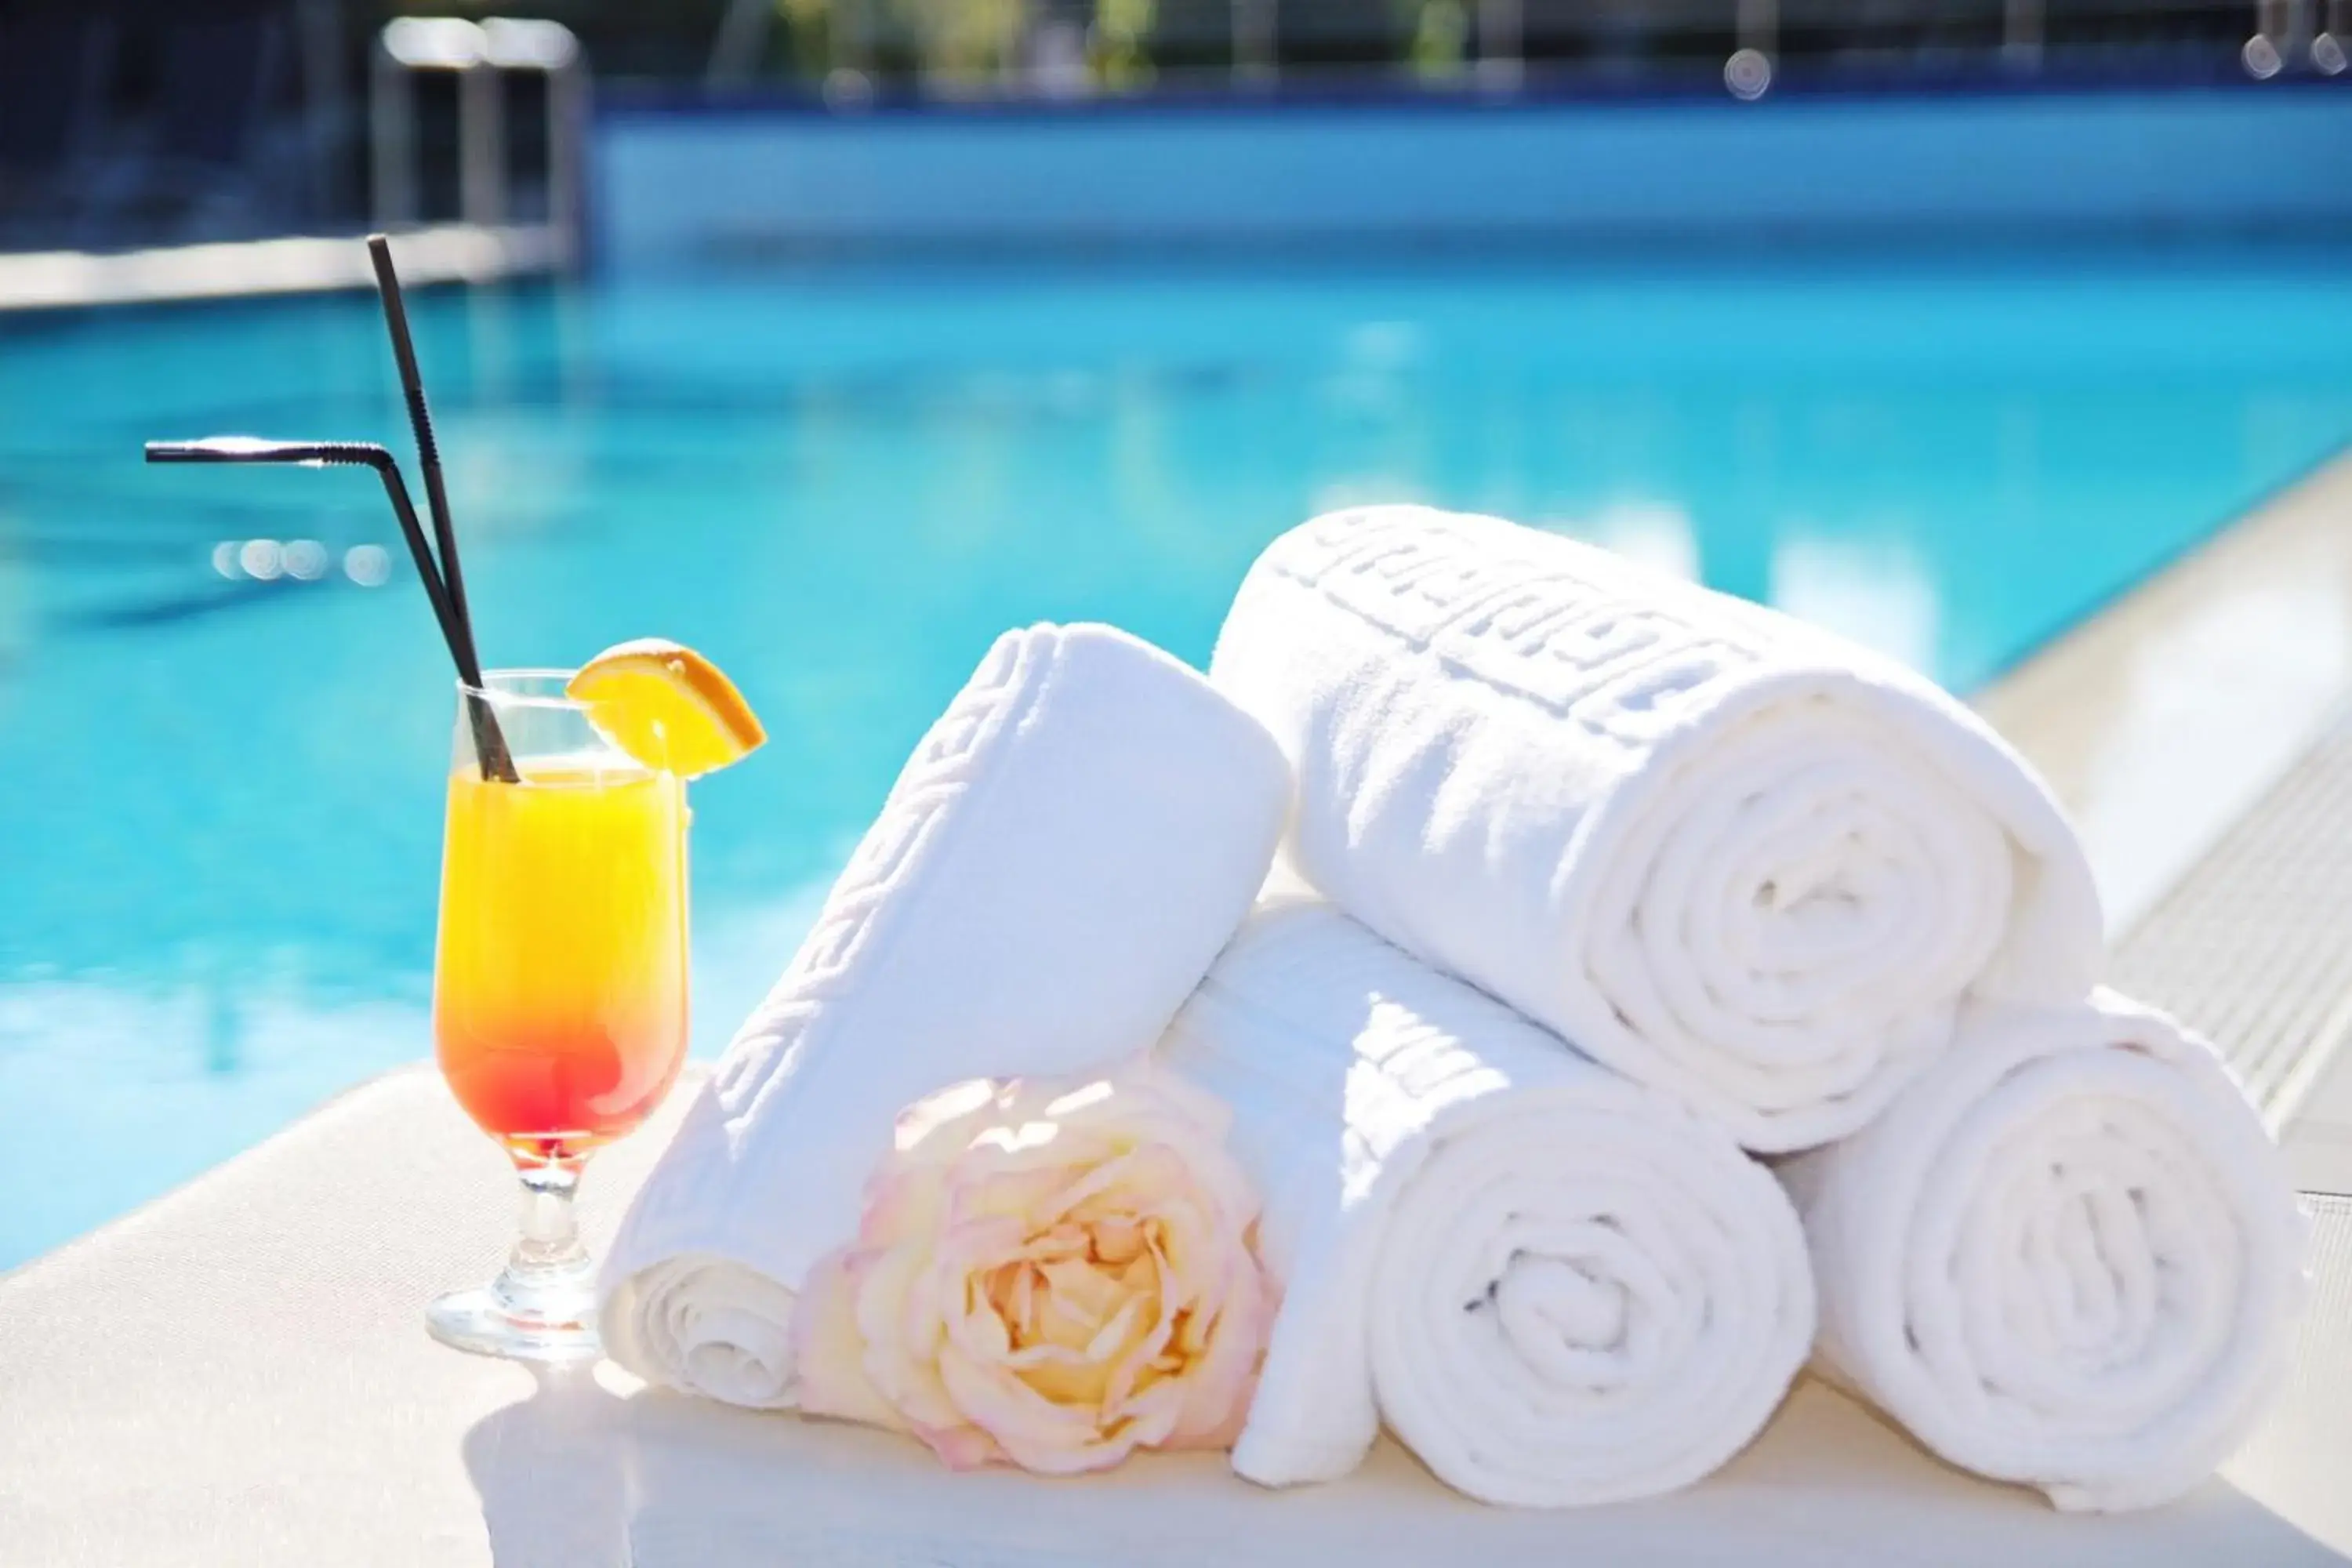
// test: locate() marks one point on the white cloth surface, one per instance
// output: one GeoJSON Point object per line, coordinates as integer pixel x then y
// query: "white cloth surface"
{"type": "Point", "coordinates": [1722, 852]}
{"type": "Point", "coordinates": [1558, 1287]}
{"type": "Point", "coordinates": [2068, 1256]}
{"type": "Point", "coordinates": [238, 1375]}
{"type": "Point", "coordinates": [1054, 870]}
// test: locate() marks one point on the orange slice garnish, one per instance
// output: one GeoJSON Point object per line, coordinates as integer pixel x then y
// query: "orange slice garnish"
{"type": "Point", "coordinates": [667, 706]}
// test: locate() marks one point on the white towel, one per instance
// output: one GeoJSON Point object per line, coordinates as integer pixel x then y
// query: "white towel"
{"type": "Point", "coordinates": [1054, 870]}
{"type": "Point", "coordinates": [1557, 1286]}
{"type": "Point", "coordinates": [2068, 1256]}
{"type": "Point", "coordinates": [1723, 852]}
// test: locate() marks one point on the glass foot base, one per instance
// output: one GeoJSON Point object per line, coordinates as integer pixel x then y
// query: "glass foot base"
{"type": "Point", "coordinates": [539, 1327]}
{"type": "Point", "coordinates": [542, 1305]}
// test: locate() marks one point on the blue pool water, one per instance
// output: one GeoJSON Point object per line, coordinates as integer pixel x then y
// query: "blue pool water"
{"type": "Point", "coordinates": [219, 796]}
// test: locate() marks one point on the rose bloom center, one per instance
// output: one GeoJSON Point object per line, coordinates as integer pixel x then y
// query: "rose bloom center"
{"type": "Point", "coordinates": [1078, 1301]}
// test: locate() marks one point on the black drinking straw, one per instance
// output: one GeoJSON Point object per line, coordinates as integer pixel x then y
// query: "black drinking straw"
{"type": "Point", "coordinates": [420, 421]}
{"type": "Point", "coordinates": [445, 583]}
{"type": "Point", "coordinates": [339, 454]}
{"type": "Point", "coordinates": [491, 746]}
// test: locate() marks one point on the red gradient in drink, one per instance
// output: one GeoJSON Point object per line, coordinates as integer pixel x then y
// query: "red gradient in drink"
{"type": "Point", "coordinates": [560, 989]}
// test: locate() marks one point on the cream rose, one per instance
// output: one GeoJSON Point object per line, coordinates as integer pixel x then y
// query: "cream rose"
{"type": "Point", "coordinates": [1048, 1276]}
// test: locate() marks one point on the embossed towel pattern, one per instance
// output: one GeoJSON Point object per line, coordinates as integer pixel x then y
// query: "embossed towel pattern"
{"type": "Point", "coordinates": [1720, 851]}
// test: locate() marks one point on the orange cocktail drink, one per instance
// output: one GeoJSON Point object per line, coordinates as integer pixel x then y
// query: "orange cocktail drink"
{"type": "Point", "coordinates": [560, 986]}
{"type": "Point", "coordinates": [560, 989]}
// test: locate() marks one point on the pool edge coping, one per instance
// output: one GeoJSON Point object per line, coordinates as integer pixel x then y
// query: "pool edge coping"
{"type": "Point", "coordinates": [2153, 682]}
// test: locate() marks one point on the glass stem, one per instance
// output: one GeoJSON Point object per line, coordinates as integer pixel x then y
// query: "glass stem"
{"type": "Point", "coordinates": [548, 1252]}
{"type": "Point", "coordinates": [542, 1305]}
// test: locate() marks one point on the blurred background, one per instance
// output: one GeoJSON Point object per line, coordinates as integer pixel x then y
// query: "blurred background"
{"type": "Point", "coordinates": [124, 121]}
{"type": "Point", "coordinates": [832, 337]}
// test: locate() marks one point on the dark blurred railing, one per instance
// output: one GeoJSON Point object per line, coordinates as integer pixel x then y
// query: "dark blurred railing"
{"type": "Point", "coordinates": [130, 122]}
{"type": "Point", "coordinates": [862, 48]}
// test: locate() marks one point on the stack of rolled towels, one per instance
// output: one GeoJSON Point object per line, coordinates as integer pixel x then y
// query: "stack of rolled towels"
{"type": "Point", "coordinates": [1612, 994]}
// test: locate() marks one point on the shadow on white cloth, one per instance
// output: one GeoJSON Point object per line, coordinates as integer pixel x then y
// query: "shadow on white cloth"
{"type": "Point", "coordinates": [591, 1472]}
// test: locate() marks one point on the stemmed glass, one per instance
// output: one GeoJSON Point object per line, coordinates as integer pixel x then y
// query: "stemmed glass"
{"type": "Point", "coordinates": [560, 983]}
{"type": "Point", "coordinates": [560, 989]}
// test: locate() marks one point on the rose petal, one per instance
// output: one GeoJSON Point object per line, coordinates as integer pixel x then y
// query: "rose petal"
{"type": "Point", "coordinates": [900, 1342]}
{"type": "Point", "coordinates": [902, 1206]}
{"type": "Point", "coordinates": [1081, 1297]}
{"type": "Point", "coordinates": [962, 1447]}
{"type": "Point", "coordinates": [1131, 1371]}
{"type": "Point", "coordinates": [1142, 1177]}
{"type": "Point", "coordinates": [828, 1349]}
{"type": "Point", "coordinates": [1220, 1382]}
{"type": "Point", "coordinates": [1151, 1414]}
{"type": "Point", "coordinates": [1035, 1433]}
{"type": "Point", "coordinates": [1118, 1238]}
{"type": "Point", "coordinates": [1002, 1190]}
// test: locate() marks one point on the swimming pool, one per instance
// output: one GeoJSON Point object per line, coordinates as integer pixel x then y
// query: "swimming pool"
{"type": "Point", "coordinates": [219, 794]}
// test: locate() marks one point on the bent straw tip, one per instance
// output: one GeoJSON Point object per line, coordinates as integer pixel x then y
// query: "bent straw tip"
{"type": "Point", "coordinates": [204, 446]}
{"type": "Point", "coordinates": [256, 450]}
{"type": "Point", "coordinates": [219, 450]}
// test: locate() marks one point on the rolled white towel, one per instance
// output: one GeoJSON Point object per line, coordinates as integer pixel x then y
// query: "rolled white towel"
{"type": "Point", "coordinates": [1723, 852]}
{"type": "Point", "coordinates": [1557, 1286]}
{"type": "Point", "coordinates": [1059, 862]}
{"type": "Point", "coordinates": [2068, 1256]}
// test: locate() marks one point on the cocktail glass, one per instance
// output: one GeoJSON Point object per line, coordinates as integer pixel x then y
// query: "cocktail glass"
{"type": "Point", "coordinates": [559, 985]}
